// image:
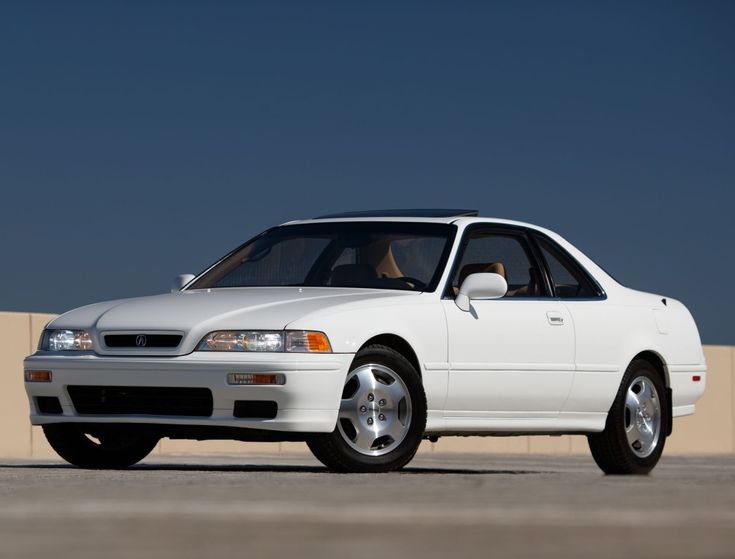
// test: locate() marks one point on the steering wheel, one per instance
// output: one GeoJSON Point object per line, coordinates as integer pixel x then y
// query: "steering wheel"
{"type": "Point", "coordinates": [414, 282]}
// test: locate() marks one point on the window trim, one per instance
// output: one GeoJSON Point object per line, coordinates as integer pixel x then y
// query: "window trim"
{"type": "Point", "coordinates": [565, 256]}
{"type": "Point", "coordinates": [504, 231]}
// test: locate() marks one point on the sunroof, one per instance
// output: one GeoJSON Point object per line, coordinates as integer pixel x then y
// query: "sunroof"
{"type": "Point", "coordinates": [435, 212]}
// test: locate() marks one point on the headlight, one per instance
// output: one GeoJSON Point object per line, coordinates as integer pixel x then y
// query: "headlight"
{"type": "Point", "coordinates": [65, 340]}
{"type": "Point", "coordinates": [299, 341]}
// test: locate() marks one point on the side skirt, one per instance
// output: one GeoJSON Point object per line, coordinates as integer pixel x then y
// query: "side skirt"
{"type": "Point", "coordinates": [515, 423]}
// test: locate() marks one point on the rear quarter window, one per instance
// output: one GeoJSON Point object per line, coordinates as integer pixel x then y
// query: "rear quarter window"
{"type": "Point", "coordinates": [569, 279]}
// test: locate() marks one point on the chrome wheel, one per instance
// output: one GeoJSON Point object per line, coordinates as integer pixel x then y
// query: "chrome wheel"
{"type": "Point", "coordinates": [642, 416]}
{"type": "Point", "coordinates": [375, 413]}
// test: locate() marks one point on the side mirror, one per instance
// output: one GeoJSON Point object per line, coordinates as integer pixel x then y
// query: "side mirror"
{"type": "Point", "coordinates": [180, 281]}
{"type": "Point", "coordinates": [480, 286]}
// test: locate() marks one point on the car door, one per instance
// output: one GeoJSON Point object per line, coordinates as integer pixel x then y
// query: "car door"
{"type": "Point", "coordinates": [598, 328]}
{"type": "Point", "coordinates": [508, 357]}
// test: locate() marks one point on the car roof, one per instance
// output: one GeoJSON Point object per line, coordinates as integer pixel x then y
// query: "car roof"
{"type": "Point", "coordinates": [458, 217]}
{"type": "Point", "coordinates": [601, 276]}
{"type": "Point", "coordinates": [416, 212]}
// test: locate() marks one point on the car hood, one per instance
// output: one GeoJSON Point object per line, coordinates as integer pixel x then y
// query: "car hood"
{"type": "Point", "coordinates": [197, 312]}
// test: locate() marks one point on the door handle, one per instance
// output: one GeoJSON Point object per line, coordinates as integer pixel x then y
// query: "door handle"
{"type": "Point", "coordinates": [555, 318]}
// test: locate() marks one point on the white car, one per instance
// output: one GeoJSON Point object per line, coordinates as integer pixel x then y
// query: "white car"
{"type": "Point", "coordinates": [363, 334]}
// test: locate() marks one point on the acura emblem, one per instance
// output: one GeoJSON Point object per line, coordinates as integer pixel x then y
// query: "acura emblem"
{"type": "Point", "coordinates": [140, 340]}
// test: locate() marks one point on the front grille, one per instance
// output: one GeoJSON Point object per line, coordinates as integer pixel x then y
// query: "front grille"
{"type": "Point", "coordinates": [142, 340]}
{"type": "Point", "coordinates": [141, 400]}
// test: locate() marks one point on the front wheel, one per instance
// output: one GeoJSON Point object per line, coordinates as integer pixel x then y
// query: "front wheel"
{"type": "Point", "coordinates": [635, 433]}
{"type": "Point", "coordinates": [382, 415]}
{"type": "Point", "coordinates": [99, 446]}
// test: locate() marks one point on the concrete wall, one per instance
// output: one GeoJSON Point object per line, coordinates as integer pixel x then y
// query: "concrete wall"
{"type": "Point", "coordinates": [710, 430]}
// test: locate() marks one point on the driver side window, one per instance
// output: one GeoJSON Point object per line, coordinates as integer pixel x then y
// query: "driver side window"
{"type": "Point", "coordinates": [507, 255]}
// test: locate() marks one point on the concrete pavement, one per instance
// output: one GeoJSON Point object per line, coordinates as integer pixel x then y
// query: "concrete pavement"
{"type": "Point", "coordinates": [442, 505]}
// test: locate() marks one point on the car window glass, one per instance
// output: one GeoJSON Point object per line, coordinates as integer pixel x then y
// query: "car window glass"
{"type": "Point", "coordinates": [285, 262]}
{"type": "Point", "coordinates": [415, 257]}
{"type": "Point", "coordinates": [348, 256]}
{"type": "Point", "coordinates": [504, 255]}
{"type": "Point", "coordinates": [568, 279]}
{"type": "Point", "coordinates": [404, 256]}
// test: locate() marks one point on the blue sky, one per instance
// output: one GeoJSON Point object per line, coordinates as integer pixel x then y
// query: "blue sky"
{"type": "Point", "coordinates": [139, 140]}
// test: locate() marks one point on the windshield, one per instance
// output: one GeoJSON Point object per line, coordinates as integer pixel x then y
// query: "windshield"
{"type": "Point", "coordinates": [407, 256]}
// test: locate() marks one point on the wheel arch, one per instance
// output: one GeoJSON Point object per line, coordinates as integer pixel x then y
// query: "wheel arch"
{"type": "Point", "coordinates": [657, 362]}
{"type": "Point", "coordinates": [398, 344]}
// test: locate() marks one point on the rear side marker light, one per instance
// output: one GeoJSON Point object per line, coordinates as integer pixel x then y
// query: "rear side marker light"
{"type": "Point", "coordinates": [255, 378]}
{"type": "Point", "coordinates": [38, 376]}
{"type": "Point", "coordinates": [696, 378]}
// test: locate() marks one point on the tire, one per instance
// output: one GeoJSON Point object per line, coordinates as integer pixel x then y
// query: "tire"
{"type": "Point", "coordinates": [382, 415]}
{"type": "Point", "coordinates": [116, 447]}
{"type": "Point", "coordinates": [635, 431]}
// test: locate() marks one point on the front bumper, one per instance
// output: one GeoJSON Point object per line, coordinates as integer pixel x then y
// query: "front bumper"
{"type": "Point", "coordinates": [307, 402]}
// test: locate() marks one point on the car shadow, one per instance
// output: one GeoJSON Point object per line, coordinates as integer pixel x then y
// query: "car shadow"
{"type": "Point", "coordinates": [280, 468]}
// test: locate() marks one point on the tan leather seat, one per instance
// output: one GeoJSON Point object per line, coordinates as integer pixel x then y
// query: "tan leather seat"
{"type": "Point", "coordinates": [380, 256]}
{"type": "Point", "coordinates": [482, 268]}
{"type": "Point", "coordinates": [498, 268]}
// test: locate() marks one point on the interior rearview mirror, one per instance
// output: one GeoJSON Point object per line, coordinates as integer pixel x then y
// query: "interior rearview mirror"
{"type": "Point", "coordinates": [480, 286]}
{"type": "Point", "coordinates": [180, 281]}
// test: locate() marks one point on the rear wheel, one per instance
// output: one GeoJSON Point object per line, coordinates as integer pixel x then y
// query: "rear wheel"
{"type": "Point", "coordinates": [382, 415]}
{"type": "Point", "coordinates": [634, 434]}
{"type": "Point", "coordinates": [99, 446]}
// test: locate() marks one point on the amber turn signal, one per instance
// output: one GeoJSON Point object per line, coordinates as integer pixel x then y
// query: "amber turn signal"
{"type": "Point", "coordinates": [304, 341]}
{"type": "Point", "coordinates": [38, 376]}
{"type": "Point", "coordinates": [255, 378]}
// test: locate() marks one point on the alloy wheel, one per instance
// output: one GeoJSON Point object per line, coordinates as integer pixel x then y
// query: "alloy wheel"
{"type": "Point", "coordinates": [642, 416]}
{"type": "Point", "coordinates": [375, 412]}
